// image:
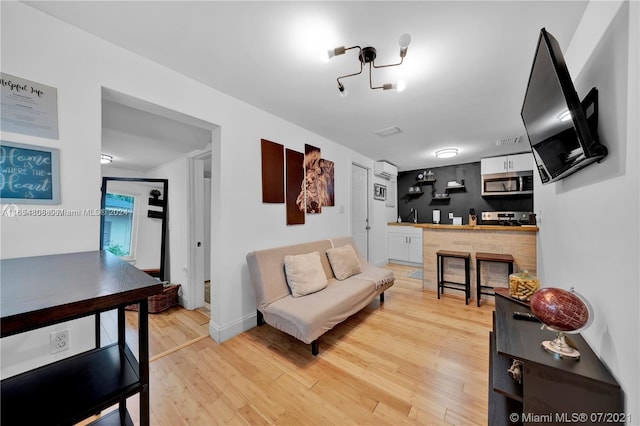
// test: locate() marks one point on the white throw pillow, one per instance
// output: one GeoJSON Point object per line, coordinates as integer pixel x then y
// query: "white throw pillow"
{"type": "Point", "coordinates": [344, 262]}
{"type": "Point", "coordinates": [305, 274]}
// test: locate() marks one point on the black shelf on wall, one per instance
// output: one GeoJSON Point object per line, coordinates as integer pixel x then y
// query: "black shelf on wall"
{"type": "Point", "coordinates": [456, 199]}
{"type": "Point", "coordinates": [414, 194]}
{"type": "Point", "coordinates": [155, 202]}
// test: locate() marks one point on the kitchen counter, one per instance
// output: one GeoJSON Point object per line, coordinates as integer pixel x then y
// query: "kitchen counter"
{"type": "Point", "coordinates": [518, 241]}
{"type": "Point", "coordinates": [524, 228]}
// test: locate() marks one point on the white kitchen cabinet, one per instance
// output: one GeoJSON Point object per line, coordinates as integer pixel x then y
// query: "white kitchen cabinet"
{"type": "Point", "coordinates": [507, 163]}
{"type": "Point", "coordinates": [404, 244]}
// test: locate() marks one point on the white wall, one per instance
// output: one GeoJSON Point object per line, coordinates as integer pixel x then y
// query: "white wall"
{"type": "Point", "coordinates": [43, 49]}
{"type": "Point", "coordinates": [589, 234]}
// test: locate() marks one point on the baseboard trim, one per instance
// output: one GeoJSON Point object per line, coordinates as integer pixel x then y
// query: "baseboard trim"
{"type": "Point", "coordinates": [226, 332]}
{"type": "Point", "coordinates": [405, 263]}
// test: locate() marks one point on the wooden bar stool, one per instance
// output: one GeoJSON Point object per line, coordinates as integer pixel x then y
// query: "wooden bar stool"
{"type": "Point", "coordinates": [466, 286]}
{"type": "Point", "coordinates": [490, 257]}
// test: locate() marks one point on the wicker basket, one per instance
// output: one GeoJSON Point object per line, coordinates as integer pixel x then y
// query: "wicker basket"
{"type": "Point", "coordinates": [161, 302]}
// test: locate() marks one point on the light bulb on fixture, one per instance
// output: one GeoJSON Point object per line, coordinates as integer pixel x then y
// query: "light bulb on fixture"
{"type": "Point", "coordinates": [333, 52]}
{"type": "Point", "coordinates": [447, 152]}
{"type": "Point", "coordinates": [343, 91]}
{"type": "Point", "coordinates": [105, 159]}
{"type": "Point", "coordinates": [404, 41]}
{"type": "Point", "coordinates": [366, 56]}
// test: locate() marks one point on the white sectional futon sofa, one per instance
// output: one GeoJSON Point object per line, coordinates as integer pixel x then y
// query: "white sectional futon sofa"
{"type": "Point", "coordinates": [306, 289]}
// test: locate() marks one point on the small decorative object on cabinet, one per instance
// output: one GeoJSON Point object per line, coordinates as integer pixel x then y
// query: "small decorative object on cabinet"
{"type": "Point", "coordinates": [552, 388]}
{"type": "Point", "coordinates": [35, 294]}
{"type": "Point", "coordinates": [562, 312]}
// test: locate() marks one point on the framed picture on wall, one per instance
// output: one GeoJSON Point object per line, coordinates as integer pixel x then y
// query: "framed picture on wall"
{"type": "Point", "coordinates": [379, 192]}
{"type": "Point", "coordinates": [29, 174]}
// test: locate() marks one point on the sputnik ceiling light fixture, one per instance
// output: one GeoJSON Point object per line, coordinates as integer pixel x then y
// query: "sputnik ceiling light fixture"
{"type": "Point", "coordinates": [367, 56]}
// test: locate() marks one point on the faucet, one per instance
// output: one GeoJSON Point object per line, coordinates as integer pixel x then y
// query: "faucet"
{"type": "Point", "coordinates": [415, 215]}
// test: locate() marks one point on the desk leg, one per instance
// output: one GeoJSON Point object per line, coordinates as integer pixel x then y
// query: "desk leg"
{"type": "Point", "coordinates": [143, 354]}
{"type": "Point", "coordinates": [122, 406]}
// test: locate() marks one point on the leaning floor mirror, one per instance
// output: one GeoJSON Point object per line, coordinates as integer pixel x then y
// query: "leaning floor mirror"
{"type": "Point", "coordinates": [134, 222]}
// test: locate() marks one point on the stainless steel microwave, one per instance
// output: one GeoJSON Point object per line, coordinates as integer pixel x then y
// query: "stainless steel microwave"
{"type": "Point", "coordinates": [502, 184]}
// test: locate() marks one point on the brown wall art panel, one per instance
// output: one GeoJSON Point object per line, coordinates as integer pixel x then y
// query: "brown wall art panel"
{"type": "Point", "coordinates": [326, 167]}
{"type": "Point", "coordinates": [295, 175]}
{"type": "Point", "coordinates": [272, 172]}
{"type": "Point", "coordinates": [317, 187]}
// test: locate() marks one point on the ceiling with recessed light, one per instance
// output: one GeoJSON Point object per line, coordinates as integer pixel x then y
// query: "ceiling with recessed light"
{"type": "Point", "coordinates": [466, 68]}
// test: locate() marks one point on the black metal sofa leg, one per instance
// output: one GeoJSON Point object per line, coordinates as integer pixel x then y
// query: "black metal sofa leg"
{"type": "Point", "coordinates": [260, 318]}
{"type": "Point", "coordinates": [382, 297]}
{"type": "Point", "coordinates": [314, 347]}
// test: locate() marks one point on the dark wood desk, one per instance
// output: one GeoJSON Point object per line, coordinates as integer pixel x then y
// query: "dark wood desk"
{"type": "Point", "coordinates": [45, 290]}
{"type": "Point", "coordinates": [553, 390]}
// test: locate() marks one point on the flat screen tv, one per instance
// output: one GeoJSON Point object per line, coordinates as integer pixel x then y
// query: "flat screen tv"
{"type": "Point", "coordinates": [562, 131]}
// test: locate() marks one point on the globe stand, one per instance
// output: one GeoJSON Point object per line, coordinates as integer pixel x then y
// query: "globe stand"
{"type": "Point", "coordinates": [560, 347]}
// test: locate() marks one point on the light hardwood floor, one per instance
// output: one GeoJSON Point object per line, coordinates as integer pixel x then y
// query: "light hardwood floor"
{"type": "Point", "coordinates": [412, 360]}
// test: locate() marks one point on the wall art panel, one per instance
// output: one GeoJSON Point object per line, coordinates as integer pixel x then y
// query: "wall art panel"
{"type": "Point", "coordinates": [295, 175]}
{"type": "Point", "coordinates": [272, 172]}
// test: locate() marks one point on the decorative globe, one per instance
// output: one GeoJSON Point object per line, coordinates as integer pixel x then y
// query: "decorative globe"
{"type": "Point", "coordinates": [561, 311]}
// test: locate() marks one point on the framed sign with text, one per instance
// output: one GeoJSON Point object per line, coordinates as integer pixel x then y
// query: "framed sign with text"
{"type": "Point", "coordinates": [29, 174]}
{"type": "Point", "coordinates": [379, 192]}
{"type": "Point", "coordinates": [28, 107]}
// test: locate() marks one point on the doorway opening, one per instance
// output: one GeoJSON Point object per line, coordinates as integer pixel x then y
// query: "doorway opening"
{"type": "Point", "coordinates": [200, 167]}
{"type": "Point", "coordinates": [147, 140]}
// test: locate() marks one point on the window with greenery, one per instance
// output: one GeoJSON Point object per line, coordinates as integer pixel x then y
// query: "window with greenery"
{"type": "Point", "coordinates": [118, 224]}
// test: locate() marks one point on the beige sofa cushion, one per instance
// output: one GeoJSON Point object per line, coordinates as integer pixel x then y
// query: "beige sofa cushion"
{"type": "Point", "coordinates": [381, 276]}
{"type": "Point", "coordinates": [304, 273]}
{"type": "Point", "coordinates": [266, 269]}
{"type": "Point", "coordinates": [344, 262]}
{"type": "Point", "coordinates": [307, 318]}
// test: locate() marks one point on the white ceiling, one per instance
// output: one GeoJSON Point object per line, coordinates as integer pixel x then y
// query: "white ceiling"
{"type": "Point", "coordinates": [466, 68]}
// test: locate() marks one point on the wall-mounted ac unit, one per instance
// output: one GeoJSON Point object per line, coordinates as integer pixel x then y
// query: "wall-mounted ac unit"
{"type": "Point", "coordinates": [384, 169]}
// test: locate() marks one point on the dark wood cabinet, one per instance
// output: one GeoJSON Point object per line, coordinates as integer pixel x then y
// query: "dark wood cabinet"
{"type": "Point", "coordinates": [45, 290]}
{"type": "Point", "coordinates": [553, 390]}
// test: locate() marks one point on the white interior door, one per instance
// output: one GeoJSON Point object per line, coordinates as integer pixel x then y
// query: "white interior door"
{"type": "Point", "coordinates": [360, 208]}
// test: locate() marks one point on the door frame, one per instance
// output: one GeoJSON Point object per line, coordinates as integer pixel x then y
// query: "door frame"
{"type": "Point", "coordinates": [368, 204]}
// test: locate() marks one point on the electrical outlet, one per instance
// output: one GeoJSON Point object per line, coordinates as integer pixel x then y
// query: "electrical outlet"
{"type": "Point", "coordinates": [58, 341]}
{"type": "Point", "coordinates": [450, 215]}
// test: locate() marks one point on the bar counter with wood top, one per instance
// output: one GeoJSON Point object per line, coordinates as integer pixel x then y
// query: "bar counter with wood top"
{"type": "Point", "coordinates": [518, 241]}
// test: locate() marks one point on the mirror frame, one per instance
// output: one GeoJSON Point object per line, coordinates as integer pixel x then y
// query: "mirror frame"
{"type": "Point", "coordinates": [165, 196]}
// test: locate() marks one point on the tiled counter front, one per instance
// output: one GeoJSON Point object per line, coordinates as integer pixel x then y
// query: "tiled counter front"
{"type": "Point", "coordinates": [520, 242]}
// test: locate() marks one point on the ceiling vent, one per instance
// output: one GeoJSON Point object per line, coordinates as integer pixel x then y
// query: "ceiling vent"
{"type": "Point", "coordinates": [389, 131]}
{"type": "Point", "coordinates": [508, 141]}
